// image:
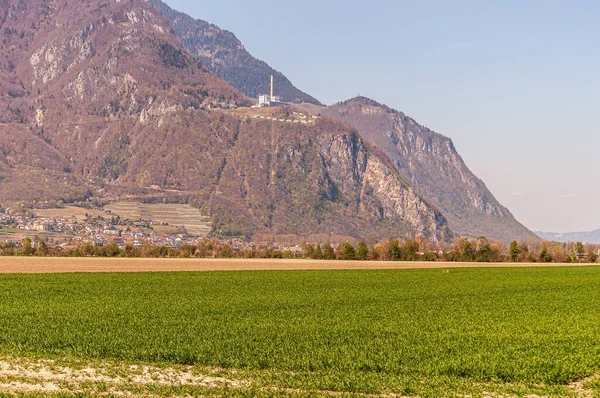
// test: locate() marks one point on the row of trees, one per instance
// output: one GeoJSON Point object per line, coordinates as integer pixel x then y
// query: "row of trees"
{"type": "Point", "coordinates": [205, 249]}
{"type": "Point", "coordinates": [461, 250]}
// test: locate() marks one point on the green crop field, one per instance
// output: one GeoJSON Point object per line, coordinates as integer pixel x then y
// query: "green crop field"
{"type": "Point", "coordinates": [478, 332]}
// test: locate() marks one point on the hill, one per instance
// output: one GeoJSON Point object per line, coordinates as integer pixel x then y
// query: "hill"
{"type": "Point", "coordinates": [431, 164]}
{"type": "Point", "coordinates": [222, 52]}
{"type": "Point", "coordinates": [108, 104]}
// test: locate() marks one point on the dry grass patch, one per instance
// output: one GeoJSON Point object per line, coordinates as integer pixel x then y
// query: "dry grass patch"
{"type": "Point", "coordinates": [70, 212]}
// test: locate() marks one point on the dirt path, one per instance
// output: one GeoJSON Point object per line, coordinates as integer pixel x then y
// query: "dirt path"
{"type": "Point", "coordinates": [46, 265]}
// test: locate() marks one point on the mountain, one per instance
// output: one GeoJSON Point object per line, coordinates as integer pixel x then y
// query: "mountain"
{"type": "Point", "coordinates": [427, 160]}
{"type": "Point", "coordinates": [222, 53]}
{"type": "Point", "coordinates": [585, 237]}
{"type": "Point", "coordinates": [431, 164]}
{"type": "Point", "coordinates": [100, 100]}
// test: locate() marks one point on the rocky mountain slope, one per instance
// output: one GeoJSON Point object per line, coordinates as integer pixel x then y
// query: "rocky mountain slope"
{"type": "Point", "coordinates": [431, 164]}
{"type": "Point", "coordinates": [100, 99]}
{"type": "Point", "coordinates": [222, 53]}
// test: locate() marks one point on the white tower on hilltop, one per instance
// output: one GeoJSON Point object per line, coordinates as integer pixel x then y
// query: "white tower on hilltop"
{"type": "Point", "coordinates": [272, 87]}
{"type": "Point", "coordinates": [269, 99]}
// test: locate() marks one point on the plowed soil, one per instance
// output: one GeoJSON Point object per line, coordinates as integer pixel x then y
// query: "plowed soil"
{"type": "Point", "coordinates": [47, 265]}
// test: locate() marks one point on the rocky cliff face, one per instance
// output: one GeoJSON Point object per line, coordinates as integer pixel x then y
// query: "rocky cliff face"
{"type": "Point", "coordinates": [399, 199]}
{"type": "Point", "coordinates": [107, 103]}
{"type": "Point", "coordinates": [318, 180]}
{"type": "Point", "coordinates": [432, 165]}
{"type": "Point", "coordinates": [222, 53]}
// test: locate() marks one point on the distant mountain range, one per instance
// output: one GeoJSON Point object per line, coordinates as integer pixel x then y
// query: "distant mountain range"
{"type": "Point", "coordinates": [585, 237]}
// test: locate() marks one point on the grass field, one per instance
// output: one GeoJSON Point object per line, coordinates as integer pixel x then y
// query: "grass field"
{"type": "Point", "coordinates": [478, 332]}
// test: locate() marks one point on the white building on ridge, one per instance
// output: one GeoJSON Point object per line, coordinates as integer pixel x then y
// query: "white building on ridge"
{"type": "Point", "coordinates": [267, 100]}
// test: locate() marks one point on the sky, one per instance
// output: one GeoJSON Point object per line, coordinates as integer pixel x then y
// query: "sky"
{"type": "Point", "coordinates": [515, 84]}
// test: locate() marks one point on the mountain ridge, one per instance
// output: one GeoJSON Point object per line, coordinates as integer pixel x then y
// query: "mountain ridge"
{"type": "Point", "coordinates": [224, 54]}
{"type": "Point", "coordinates": [430, 163]}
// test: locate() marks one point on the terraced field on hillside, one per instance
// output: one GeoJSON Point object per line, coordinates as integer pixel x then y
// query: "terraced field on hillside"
{"type": "Point", "coordinates": [174, 214]}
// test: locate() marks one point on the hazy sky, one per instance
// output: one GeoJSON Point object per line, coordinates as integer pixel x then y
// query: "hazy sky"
{"type": "Point", "coordinates": [514, 83]}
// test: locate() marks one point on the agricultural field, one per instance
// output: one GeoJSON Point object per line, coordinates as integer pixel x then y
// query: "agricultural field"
{"type": "Point", "coordinates": [175, 215]}
{"type": "Point", "coordinates": [70, 212]}
{"type": "Point", "coordinates": [53, 265]}
{"type": "Point", "coordinates": [428, 332]}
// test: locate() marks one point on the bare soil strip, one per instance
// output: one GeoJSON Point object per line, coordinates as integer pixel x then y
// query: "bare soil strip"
{"type": "Point", "coordinates": [47, 265]}
{"type": "Point", "coordinates": [581, 387]}
{"type": "Point", "coordinates": [20, 375]}
{"type": "Point", "coordinates": [47, 377]}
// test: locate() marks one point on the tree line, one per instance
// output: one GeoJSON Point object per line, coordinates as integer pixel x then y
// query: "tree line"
{"type": "Point", "coordinates": [461, 250]}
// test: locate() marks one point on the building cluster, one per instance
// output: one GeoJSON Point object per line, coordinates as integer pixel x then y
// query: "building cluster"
{"type": "Point", "coordinates": [99, 231]}
{"type": "Point", "coordinates": [24, 222]}
{"type": "Point", "coordinates": [104, 231]}
{"type": "Point", "coordinates": [296, 117]}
